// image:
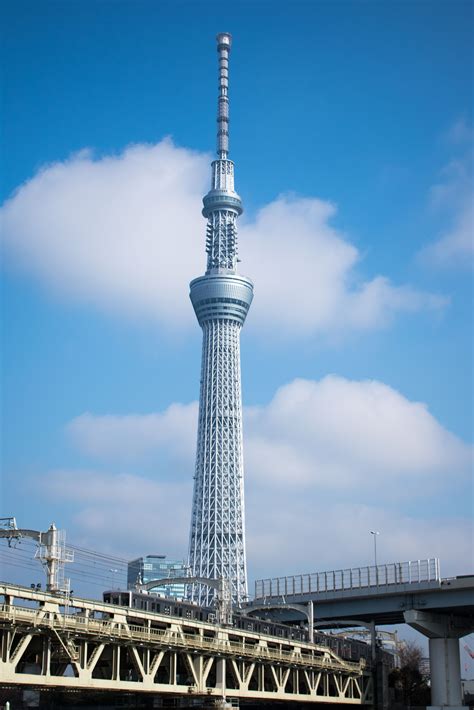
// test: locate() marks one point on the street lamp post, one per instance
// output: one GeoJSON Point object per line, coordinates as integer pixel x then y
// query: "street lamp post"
{"type": "Point", "coordinates": [375, 533]}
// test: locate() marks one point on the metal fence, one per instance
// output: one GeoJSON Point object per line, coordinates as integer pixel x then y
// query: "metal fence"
{"type": "Point", "coordinates": [414, 572]}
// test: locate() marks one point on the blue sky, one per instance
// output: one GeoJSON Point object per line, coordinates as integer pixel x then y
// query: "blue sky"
{"type": "Point", "coordinates": [351, 129]}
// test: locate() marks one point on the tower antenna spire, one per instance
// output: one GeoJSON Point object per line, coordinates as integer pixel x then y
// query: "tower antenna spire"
{"type": "Point", "coordinates": [224, 43]}
{"type": "Point", "coordinates": [222, 205]}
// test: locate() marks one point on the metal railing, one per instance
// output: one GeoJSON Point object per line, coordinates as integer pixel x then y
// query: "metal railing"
{"type": "Point", "coordinates": [413, 572]}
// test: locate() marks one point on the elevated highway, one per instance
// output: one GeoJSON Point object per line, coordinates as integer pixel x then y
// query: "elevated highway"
{"type": "Point", "coordinates": [410, 592]}
{"type": "Point", "coordinates": [382, 595]}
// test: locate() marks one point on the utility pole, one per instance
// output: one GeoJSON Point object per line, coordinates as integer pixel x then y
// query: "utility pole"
{"type": "Point", "coordinates": [51, 551]}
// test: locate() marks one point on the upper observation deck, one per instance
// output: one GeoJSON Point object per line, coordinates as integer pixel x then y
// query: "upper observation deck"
{"type": "Point", "coordinates": [220, 296]}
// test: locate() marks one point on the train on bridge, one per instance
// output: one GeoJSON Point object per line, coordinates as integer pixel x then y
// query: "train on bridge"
{"type": "Point", "coordinates": [348, 649]}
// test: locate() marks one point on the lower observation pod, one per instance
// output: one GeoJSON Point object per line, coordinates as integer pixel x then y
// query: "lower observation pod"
{"type": "Point", "coordinates": [221, 296]}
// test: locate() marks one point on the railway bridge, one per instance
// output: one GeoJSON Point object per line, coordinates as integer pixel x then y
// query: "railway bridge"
{"type": "Point", "coordinates": [51, 641]}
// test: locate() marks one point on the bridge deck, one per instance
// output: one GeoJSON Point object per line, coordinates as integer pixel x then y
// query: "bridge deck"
{"type": "Point", "coordinates": [384, 604]}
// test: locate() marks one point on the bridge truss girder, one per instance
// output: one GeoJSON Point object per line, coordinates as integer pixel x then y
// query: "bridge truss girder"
{"type": "Point", "coordinates": [120, 666]}
{"type": "Point", "coordinates": [46, 647]}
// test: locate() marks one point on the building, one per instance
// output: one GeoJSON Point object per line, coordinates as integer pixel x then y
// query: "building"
{"type": "Point", "coordinates": [468, 692]}
{"type": "Point", "coordinates": [146, 569]}
{"type": "Point", "coordinates": [221, 299]}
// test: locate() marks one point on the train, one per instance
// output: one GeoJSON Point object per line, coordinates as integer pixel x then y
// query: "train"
{"type": "Point", "coordinates": [348, 649]}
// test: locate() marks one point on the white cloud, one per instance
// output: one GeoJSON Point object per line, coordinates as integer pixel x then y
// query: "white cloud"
{"type": "Point", "coordinates": [288, 534]}
{"type": "Point", "coordinates": [452, 200]}
{"type": "Point", "coordinates": [124, 233]}
{"type": "Point", "coordinates": [124, 513]}
{"type": "Point", "coordinates": [456, 246]}
{"type": "Point", "coordinates": [325, 462]}
{"type": "Point", "coordinates": [460, 132]}
{"type": "Point", "coordinates": [304, 273]}
{"type": "Point", "coordinates": [339, 434]}
{"type": "Point", "coordinates": [121, 232]}
{"type": "Point", "coordinates": [334, 433]}
{"type": "Point", "coordinates": [131, 436]}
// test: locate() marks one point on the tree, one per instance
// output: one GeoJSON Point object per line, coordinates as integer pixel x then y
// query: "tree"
{"type": "Point", "coordinates": [409, 681]}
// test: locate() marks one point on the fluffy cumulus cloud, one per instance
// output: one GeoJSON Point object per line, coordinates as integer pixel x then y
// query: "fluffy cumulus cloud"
{"type": "Point", "coordinates": [334, 433]}
{"type": "Point", "coordinates": [325, 462]}
{"type": "Point", "coordinates": [306, 277]}
{"type": "Point", "coordinates": [124, 233]}
{"type": "Point", "coordinates": [338, 433]}
{"type": "Point", "coordinates": [120, 232]}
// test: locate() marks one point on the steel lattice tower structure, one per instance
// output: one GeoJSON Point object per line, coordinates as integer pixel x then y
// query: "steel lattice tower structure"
{"type": "Point", "coordinates": [221, 299]}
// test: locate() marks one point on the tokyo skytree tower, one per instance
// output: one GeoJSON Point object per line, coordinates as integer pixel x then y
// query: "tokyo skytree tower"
{"type": "Point", "coordinates": [221, 299]}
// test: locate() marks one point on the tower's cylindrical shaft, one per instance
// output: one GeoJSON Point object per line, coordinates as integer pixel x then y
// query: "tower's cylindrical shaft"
{"type": "Point", "coordinates": [217, 542]}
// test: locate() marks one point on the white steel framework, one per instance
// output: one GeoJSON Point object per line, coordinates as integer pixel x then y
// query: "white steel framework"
{"type": "Point", "coordinates": [94, 646]}
{"type": "Point", "coordinates": [221, 299]}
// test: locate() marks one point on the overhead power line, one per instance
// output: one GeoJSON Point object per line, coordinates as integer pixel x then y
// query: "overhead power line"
{"type": "Point", "coordinates": [89, 567]}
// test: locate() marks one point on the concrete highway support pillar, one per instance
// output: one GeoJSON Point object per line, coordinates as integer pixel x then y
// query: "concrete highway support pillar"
{"type": "Point", "coordinates": [443, 632]}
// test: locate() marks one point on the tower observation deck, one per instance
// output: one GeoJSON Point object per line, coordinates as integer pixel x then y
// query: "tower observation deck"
{"type": "Point", "coordinates": [221, 299]}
